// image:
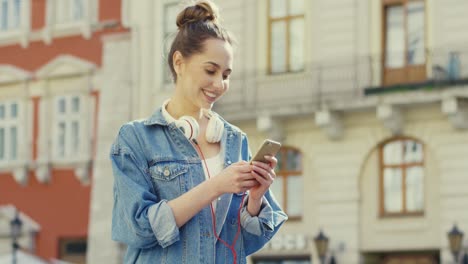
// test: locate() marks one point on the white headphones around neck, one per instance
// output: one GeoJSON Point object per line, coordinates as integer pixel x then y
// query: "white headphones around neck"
{"type": "Point", "coordinates": [189, 126]}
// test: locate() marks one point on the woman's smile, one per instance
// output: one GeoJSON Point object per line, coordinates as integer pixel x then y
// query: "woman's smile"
{"type": "Point", "coordinates": [210, 96]}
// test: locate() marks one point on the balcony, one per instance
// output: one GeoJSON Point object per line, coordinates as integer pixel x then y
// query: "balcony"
{"type": "Point", "coordinates": [343, 84]}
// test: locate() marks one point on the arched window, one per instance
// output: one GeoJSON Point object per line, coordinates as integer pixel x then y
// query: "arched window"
{"type": "Point", "coordinates": [401, 177]}
{"type": "Point", "coordinates": [288, 185]}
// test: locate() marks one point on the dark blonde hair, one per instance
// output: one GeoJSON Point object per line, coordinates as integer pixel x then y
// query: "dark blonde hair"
{"type": "Point", "coordinates": [196, 23]}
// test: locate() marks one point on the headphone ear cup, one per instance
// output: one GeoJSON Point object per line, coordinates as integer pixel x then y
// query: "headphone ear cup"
{"type": "Point", "coordinates": [214, 129]}
{"type": "Point", "coordinates": [189, 127]}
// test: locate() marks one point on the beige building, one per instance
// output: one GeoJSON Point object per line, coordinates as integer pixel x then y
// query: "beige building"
{"type": "Point", "coordinates": [368, 97]}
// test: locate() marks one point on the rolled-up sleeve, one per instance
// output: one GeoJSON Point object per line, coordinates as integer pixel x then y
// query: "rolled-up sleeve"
{"type": "Point", "coordinates": [258, 230]}
{"type": "Point", "coordinates": [140, 219]}
{"type": "Point", "coordinates": [256, 224]}
{"type": "Point", "coordinates": [163, 223]}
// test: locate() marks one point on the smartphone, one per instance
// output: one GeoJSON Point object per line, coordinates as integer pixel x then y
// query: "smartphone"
{"type": "Point", "coordinates": [269, 147]}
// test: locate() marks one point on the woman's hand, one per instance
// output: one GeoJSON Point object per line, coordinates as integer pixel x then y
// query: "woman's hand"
{"type": "Point", "coordinates": [264, 174]}
{"type": "Point", "coordinates": [236, 178]}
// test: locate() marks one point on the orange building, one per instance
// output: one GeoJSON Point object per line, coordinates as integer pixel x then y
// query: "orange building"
{"type": "Point", "coordinates": [50, 55]}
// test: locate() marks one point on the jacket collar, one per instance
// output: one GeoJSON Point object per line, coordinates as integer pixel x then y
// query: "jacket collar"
{"type": "Point", "coordinates": [156, 118]}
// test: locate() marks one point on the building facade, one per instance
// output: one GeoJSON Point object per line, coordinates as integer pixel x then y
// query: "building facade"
{"type": "Point", "coordinates": [51, 59]}
{"type": "Point", "coordinates": [369, 99]}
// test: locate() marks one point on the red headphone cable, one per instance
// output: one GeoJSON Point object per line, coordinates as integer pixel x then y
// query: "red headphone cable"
{"type": "Point", "coordinates": [213, 217]}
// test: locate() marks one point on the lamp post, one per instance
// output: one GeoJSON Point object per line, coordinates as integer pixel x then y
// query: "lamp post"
{"type": "Point", "coordinates": [321, 243]}
{"type": "Point", "coordinates": [455, 238]}
{"type": "Point", "coordinates": [15, 225]}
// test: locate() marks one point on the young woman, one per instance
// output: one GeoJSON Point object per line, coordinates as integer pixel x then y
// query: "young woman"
{"type": "Point", "coordinates": [183, 190]}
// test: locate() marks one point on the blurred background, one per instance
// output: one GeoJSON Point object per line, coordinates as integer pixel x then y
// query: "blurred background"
{"type": "Point", "coordinates": [368, 97]}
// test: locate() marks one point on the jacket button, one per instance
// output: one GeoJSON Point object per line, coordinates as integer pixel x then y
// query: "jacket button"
{"type": "Point", "coordinates": [166, 172]}
{"type": "Point", "coordinates": [229, 162]}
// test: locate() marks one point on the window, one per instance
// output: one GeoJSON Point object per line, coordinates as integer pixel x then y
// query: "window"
{"type": "Point", "coordinates": [69, 11]}
{"type": "Point", "coordinates": [67, 127]}
{"type": "Point", "coordinates": [288, 184]}
{"type": "Point", "coordinates": [402, 177]}
{"type": "Point", "coordinates": [73, 249]}
{"type": "Point", "coordinates": [68, 17]}
{"type": "Point", "coordinates": [404, 41]}
{"type": "Point", "coordinates": [10, 14]}
{"type": "Point", "coordinates": [286, 36]}
{"type": "Point", "coordinates": [170, 29]}
{"type": "Point", "coordinates": [9, 125]}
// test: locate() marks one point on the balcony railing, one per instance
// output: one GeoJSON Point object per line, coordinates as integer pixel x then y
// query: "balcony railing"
{"type": "Point", "coordinates": [341, 81]}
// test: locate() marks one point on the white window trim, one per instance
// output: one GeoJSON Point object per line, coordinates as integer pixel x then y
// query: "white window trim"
{"type": "Point", "coordinates": [68, 118]}
{"type": "Point", "coordinates": [83, 26]}
{"type": "Point", "coordinates": [19, 165]}
{"type": "Point", "coordinates": [14, 75]}
{"type": "Point", "coordinates": [82, 160]}
{"type": "Point", "coordinates": [23, 32]}
{"type": "Point", "coordinates": [78, 67]}
{"type": "Point", "coordinates": [6, 124]}
{"type": "Point", "coordinates": [75, 68]}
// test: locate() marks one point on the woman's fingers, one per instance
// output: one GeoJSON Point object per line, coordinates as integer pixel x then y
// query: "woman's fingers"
{"type": "Point", "coordinates": [243, 167]}
{"type": "Point", "coordinates": [263, 169]}
{"type": "Point", "coordinates": [273, 161]}
{"type": "Point", "coordinates": [250, 183]}
{"type": "Point", "coordinates": [260, 179]}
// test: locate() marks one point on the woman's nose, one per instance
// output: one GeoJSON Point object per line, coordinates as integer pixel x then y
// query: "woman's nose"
{"type": "Point", "coordinates": [218, 82]}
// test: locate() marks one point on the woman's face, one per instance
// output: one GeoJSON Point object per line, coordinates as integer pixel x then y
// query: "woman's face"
{"type": "Point", "coordinates": [204, 77]}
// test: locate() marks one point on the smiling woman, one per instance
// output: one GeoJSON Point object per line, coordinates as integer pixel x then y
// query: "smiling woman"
{"type": "Point", "coordinates": [203, 76]}
{"type": "Point", "coordinates": [183, 190]}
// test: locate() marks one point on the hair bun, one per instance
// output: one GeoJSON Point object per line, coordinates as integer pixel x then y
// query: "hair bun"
{"type": "Point", "coordinates": [202, 11]}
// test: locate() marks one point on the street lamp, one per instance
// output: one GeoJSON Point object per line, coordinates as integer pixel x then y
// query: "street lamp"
{"type": "Point", "coordinates": [321, 243]}
{"type": "Point", "coordinates": [15, 225]}
{"type": "Point", "coordinates": [455, 238]}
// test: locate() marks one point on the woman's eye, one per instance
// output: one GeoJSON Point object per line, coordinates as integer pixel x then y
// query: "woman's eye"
{"type": "Point", "coordinates": [225, 77]}
{"type": "Point", "coordinates": [210, 72]}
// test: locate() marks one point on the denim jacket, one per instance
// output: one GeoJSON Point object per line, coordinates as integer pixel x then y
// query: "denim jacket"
{"type": "Point", "coordinates": [153, 163]}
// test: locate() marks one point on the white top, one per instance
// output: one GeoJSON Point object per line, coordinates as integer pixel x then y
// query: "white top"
{"type": "Point", "coordinates": [215, 165]}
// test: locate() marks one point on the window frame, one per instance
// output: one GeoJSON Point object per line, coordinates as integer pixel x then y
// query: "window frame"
{"type": "Point", "coordinates": [7, 124]}
{"type": "Point", "coordinates": [12, 16]}
{"type": "Point", "coordinates": [63, 242]}
{"type": "Point", "coordinates": [288, 18]}
{"type": "Point", "coordinates": [20, 33]}
{"type": "Point", "coordinates": [54, 28]}
{"type": "Point", "coordinates": [68, 15]}
{"type": "Point", "coordinates": [69, 154]}
{"type": "Point", "coordinates": [403, 166]}
{"type": "Point", "coordinates": [407, 73]}
{"type": "Point", "coordinates": [285, 174]}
